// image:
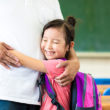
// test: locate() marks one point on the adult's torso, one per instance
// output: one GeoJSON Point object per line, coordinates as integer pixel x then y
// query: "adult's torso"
{"type": "Point", "coordinates": [21, 23]}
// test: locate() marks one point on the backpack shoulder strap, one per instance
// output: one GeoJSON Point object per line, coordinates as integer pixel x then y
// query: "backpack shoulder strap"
{"type": "Point", "coordinates": [52, 94]}
{"type": "Point", "coordinates": [73, 101]}
{"type": "Point", "coordinates": [96, 97]}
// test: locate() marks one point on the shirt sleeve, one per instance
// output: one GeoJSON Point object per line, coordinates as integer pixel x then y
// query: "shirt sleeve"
{"type": "Point", "coordinates": [52, 71]}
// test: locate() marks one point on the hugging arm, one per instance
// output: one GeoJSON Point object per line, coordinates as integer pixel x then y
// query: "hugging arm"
{"type": "Point", "coordinates": [71, 68]}
{"type": "Point", "coordinates": [29, 62]}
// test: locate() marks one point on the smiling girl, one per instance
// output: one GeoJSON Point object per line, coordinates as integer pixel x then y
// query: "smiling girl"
{"type": "Point", "coordinates": [57, 44]}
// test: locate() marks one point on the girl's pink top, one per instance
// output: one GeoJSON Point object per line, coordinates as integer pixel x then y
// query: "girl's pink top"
{"type": "Point", "coordinates": [63, 93]}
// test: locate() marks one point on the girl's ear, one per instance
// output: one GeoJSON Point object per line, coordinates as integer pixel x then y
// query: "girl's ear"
{"type": "Point", "coordinates": [72, 44]}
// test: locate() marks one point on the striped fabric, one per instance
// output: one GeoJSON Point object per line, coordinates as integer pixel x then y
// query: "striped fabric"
{"type": "Point", "coordinates": [88, 96]}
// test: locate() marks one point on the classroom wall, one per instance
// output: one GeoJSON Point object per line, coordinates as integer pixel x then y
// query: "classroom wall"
{"type": "Point", "coordinates": [97, 64]}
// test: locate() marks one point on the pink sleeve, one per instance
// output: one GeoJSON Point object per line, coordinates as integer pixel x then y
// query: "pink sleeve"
{"type": "Point", "coordinates": [52, 71]}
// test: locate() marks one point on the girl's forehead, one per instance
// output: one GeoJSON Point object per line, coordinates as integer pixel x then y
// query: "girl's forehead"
{"type": "Point", "coordinates": [54, 32]}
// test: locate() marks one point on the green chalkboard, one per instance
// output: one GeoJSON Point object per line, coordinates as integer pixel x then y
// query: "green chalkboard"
{"type": "Point", "coordinates": [93, 27]}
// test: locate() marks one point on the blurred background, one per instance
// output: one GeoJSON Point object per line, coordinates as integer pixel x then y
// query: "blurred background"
{"type": "Point", "coordinates": [92, 39]}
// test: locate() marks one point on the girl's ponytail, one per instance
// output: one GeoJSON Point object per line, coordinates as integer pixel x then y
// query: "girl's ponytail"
{"type": "Point", "coordinates": [71, 21]}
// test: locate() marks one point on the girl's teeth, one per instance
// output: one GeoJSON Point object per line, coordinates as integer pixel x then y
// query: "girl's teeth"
{"type": "Point", "coordinates": [49, 53]}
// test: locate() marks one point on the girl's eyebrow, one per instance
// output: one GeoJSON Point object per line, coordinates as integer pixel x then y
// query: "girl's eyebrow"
{"type": "Point", "coordinates": [44, 37]}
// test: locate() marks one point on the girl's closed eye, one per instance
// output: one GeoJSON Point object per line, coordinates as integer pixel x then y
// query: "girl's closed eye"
{"type": "Point", "coordinates": [56, 41]}
{"type": "Point", "coordinates": [45, 40]}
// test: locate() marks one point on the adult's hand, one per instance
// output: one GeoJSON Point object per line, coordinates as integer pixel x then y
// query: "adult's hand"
{"type": "Point", "coordinates": [6, 58]}
{"type": "Point", "coordinates": [71, 68]}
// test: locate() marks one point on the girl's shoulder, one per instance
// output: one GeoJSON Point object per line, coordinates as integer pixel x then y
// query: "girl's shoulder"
{"type": "Point", "coordinates": [51, 66]}
{"type": "Point", "coordinates": [54, 61]}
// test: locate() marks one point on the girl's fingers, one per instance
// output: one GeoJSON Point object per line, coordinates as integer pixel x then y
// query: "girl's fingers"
{"type": "Point", "coordinates": [10, 61]}
{"type": "Point", "coordinates": [4, 65]}
{"type": "Point", "coordinates": [11, 56]}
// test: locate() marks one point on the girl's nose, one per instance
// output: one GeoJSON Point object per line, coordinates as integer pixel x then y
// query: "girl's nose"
{"type": "Point", "coordinates": [49, 45]}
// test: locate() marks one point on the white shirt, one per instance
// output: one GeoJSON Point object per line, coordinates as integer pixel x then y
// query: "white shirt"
{"type": "Point", "coordinates": [21, 23]}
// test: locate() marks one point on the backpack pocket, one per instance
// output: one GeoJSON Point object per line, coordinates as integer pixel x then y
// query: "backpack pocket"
{"type": "Point", "coordinates": [83, 108]}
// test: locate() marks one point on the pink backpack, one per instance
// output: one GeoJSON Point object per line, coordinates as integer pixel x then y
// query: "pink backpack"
{"type": "Point", "coordinates": [84, 93]}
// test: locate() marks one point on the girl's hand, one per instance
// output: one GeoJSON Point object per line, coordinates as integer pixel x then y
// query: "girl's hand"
{"type": "Point", "coordinates": [71, 68]}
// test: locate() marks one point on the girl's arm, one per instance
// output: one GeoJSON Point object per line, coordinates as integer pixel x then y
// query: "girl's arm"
{"type": "Point", "coordinates": [29, 62]}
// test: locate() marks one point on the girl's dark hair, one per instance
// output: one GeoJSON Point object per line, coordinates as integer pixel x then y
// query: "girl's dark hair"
{"type": "Point", "coordinates": [67, 25]}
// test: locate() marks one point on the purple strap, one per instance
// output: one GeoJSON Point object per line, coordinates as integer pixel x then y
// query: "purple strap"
{"type": "Point", "coordinates": [80, 86]}
{"type": "Point", "coordinates": [96, 93]}
{"type": "Point", "coordinates": [48, 85]}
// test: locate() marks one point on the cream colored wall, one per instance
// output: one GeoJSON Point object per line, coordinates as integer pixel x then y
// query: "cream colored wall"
{"type": "Point", "coordinates": [97, 64]}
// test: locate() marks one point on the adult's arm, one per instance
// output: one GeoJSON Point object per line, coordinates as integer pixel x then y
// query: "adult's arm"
{"type": "Point", "coordinates": [71, 68]}
{"type": "Point", "coordinates": [7, 58]}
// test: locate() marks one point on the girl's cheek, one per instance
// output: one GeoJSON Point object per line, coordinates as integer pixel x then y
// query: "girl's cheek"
{"type": "Point", "coordinates": [55, 46]}
{"type": "Point", "coordinates": [42, 47]}
{"type": "Point", "coordinates": [42, 44]}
